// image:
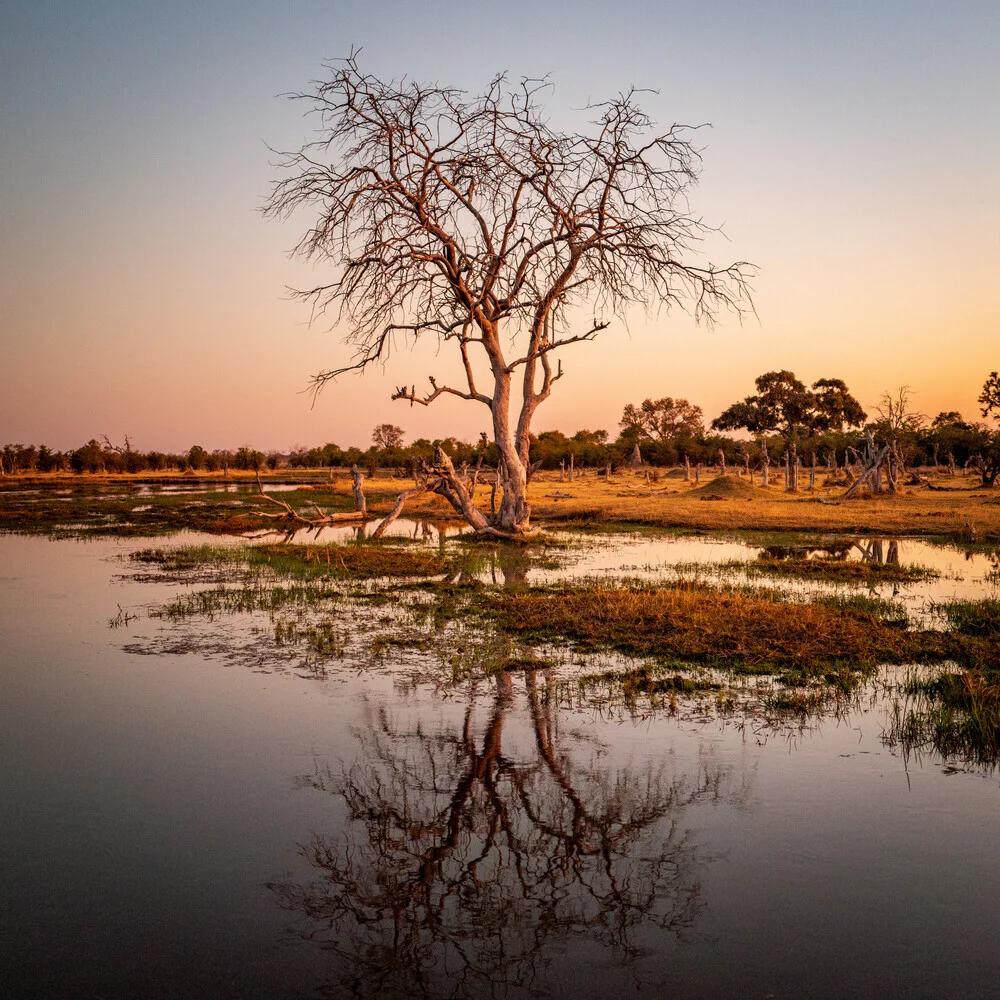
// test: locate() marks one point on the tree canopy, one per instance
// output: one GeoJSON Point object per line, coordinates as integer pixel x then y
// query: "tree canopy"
{"type": "Point", "coordinates": [473, 220]}
{"type": "Point", "coordinates": [784, 405]}
{"type": "Point", "coordinates": [663, 419]}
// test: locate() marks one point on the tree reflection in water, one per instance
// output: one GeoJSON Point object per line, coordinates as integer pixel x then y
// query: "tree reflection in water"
{"type": "Point", "coordinates": [465, 868]}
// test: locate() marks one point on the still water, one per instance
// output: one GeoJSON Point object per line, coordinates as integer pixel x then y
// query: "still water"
{"type": "Point", "coordinates": [176, 827]}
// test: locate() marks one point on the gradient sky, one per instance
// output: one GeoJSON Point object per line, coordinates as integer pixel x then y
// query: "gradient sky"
{"type": "Point", "coordinates": [853, 156]}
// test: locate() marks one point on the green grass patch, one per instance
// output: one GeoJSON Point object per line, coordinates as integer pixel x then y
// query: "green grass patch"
{"type": "Point", "coordinates": [831, 570]}
{"type": "Point", "coordinates": [980, 618]}
{"type": "Point", "coordinates": [303, 562]}
{"type": "Point", "coordinates": [954, 713]}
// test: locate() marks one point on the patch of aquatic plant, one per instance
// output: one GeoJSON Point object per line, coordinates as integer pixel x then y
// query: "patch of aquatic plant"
{"type": "Point", "coordinates": [86, 510]}
{"type": "Point", "coordinates": [260, 596]}
{"type": "Point", "coordinates": [865, 606]}
{"type": "Point", "coordinates": [322, 638]}
{"type": "Point", "coordinates": [797, 701]}
{"type": "Point", "coordinates": [729, 630]}
{"type": "Point", "coordinates": [978, 618]}
{"type": "Point", "coordinates": [304, 562]}
{"type": "Point", "coordinates": [654, 682]}
{"type": "Point", "coordinates": [179, 560]}
{"type": "Point", "coordinates": [955, 714]}
{"type": "Point", "coordinates": [832, 570]}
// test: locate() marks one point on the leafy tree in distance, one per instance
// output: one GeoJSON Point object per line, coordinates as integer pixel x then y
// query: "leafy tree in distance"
{"type": "Point", "coordinates": [663, 419]}
{"type": "Point", "coordinates": [989, 454]}
{"type": "Point", "coordinates": [387, 436]}
{"type": "Point", "coordinates": [990, 396]}
{"type": "Point", "coordinates": [784, 405]}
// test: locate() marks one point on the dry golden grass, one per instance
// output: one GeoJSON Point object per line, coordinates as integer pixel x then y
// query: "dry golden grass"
{"type": "Point", "coordinates": [732, 504]}
{"type": "Point", "coordinates": [741, 631]}
{"type": "Point", "coordinates": [672, 503]}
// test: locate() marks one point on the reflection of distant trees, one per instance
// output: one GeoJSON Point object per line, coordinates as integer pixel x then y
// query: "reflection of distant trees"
{"type": "Point", "coordinates": [461, 865]}
{"type": "Point", "coordinates": [872, 550]}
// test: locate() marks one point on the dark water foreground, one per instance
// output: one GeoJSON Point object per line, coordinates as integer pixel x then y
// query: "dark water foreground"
{"type": "Point", "coordinates": [174, 827]}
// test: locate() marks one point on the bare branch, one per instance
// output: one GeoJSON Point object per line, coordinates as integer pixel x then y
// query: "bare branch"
{"type": "Point", "coordinates": [470, 218]}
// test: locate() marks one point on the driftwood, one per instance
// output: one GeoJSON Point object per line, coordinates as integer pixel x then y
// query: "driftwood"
{"type": "Point", "coordinates": [289, 514]}
{"type": "Point", "coordinates": [397, 509]}
{"type": "Point", "coordinates": [440, 476]}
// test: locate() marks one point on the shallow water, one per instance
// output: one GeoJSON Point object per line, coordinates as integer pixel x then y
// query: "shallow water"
{"type": "Point", "coordinates": [176, 827]}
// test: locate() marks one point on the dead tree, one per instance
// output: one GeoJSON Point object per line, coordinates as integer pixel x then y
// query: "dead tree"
{"type": "Point", "coordinates": [357, 487]}
{"type": "Point", "coordinates": [874, 461]}
{"type": "Point", "coordinates": [472, 220]}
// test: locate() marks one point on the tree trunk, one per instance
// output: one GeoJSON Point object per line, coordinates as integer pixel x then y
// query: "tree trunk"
{"type": "Point", "coordinates": [357, 485]}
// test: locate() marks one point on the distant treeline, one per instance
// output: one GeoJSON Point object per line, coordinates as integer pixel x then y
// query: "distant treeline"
{"type": "Point", "coordinates": [948, 439]}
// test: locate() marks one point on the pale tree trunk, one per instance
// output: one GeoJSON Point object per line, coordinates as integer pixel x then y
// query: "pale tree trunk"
{"type": "Point", "coordinates": [357, 487]}
{"type": "Point", "coordinates": [765, 459]}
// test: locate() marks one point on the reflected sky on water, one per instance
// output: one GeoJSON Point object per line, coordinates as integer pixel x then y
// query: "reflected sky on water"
{"type": "Point", "coordinates": [177, 827]}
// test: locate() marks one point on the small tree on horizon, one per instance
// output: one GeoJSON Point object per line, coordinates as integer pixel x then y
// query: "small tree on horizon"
{"type": "Point", "coordinates": [387, 436]}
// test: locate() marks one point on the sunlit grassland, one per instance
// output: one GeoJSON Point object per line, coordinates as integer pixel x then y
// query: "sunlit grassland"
{"type": "Point", "coordinates": [112, 504]}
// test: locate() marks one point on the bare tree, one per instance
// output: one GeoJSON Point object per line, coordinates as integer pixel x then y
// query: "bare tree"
{"type": "Point", "coordinates": [466, 863]}
{"type": "Point", "coordinates": [473, 220]}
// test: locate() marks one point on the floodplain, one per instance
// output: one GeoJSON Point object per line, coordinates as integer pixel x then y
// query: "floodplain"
{"type": "Point", "coordinates": [693, 739]}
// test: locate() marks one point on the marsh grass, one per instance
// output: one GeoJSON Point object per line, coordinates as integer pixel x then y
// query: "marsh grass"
{"type": "Point", "coordinates": [466, 610]}
{"type": "Point", "coordinates": [829, 570]}
{"type": "Point", "coordinates": [978, 618]}
{"type": "Point", "coordinates": [303, 562]}
{"type": "Point", "coordinates": [740, 632]}
{"type": "Point", "coordinates": [955, 714]}
{"type": "Point", "coordinates": [866, 607]}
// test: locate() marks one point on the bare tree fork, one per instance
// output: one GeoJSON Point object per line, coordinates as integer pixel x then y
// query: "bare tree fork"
{"type": "Point", "coordinates": [871, 474]}
{"type": "Point", "coordinates": [473, 221]}
{"type": "Point", "coordinates": [457, 490]}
